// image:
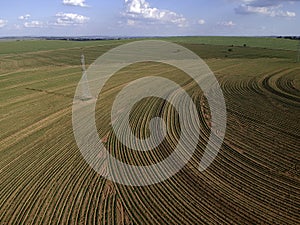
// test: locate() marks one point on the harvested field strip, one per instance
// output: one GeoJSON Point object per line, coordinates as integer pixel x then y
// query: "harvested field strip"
{"type": "Point", "coordinates": [22, 83]}
{"type": "Point", "coordinates": [268, 182]}
{"type": "Point", "coordinates": [31, 129]}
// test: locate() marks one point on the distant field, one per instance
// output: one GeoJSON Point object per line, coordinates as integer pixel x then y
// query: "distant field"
{"type": "Point", "coordinates": [261, 42]}
{"type": "Point", "coordinates": [255, 178]}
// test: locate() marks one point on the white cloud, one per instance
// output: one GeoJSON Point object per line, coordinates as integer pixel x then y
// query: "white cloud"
{"type": "Point", "coordinates": [201, 22]}
{"type": "Point", "coordinates": [227, 23]}
{"type": "Point", "coordinates": [141, 10]}
{"type": "Point", "coordinates": [3, 23]}
{"type": "Point", "coordinates": [75, 2]}
{"type": "Point", "coordinates": [34, 24]}
{"type": "Point", "coordinates": [17, 27]}
{"type": "Point", "coordinates": [270, 8]}
{"type": "Point", "coordinates": [25, 17]}
{"type": "Point", "coordinates": [66, 19]}
{"type": "Point", "coordinates": [131, 22]}
{"type": "Point", "coordinates": [290, 14]}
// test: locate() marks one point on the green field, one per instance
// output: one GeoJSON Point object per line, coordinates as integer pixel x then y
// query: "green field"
{"type": "Point", "coordinates": [16, 47]}
{"type": "Point", "coordinates": [255, 179]}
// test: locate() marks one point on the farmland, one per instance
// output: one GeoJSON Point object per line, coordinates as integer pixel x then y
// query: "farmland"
{"type": "Point", "coordinates": [254, 179]}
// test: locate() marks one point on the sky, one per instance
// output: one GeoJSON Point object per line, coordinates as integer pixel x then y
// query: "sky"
{"type": "Point", "coordinates": [149, 17]}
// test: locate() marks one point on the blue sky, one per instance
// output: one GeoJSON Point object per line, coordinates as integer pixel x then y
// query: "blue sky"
{"type": "Point", "coordinates": [149, 17]}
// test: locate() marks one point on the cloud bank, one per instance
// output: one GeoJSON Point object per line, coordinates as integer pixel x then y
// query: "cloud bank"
{"type": "Point", "coordinates": [272, 8]}
{"type": "Point", "coordinates": [140, 10]}
{"type": "Point", "coordinates": [67, 19]}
